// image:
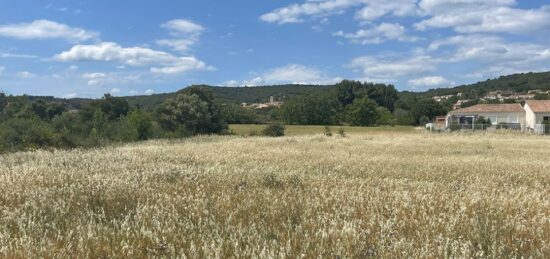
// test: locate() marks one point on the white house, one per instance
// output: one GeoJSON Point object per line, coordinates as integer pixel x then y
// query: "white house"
{"type": "Point", "coordinates": [537, 111]}
{"type": "Point", "coordinates": [512, 114]}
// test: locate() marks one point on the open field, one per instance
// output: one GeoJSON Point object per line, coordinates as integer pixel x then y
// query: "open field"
{"type": "Point", "coordinates": [297, 130]}
{"type": "Point", "coordinates": [393, 195]}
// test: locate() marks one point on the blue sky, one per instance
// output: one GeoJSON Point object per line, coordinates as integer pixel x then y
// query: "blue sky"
{"type": "Point", "coordinates": [87, 48]}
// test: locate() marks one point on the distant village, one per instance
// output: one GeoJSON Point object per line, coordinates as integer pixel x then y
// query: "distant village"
{"type": "Point", "coordinates": [272, 103]}
{"type": "Point", "coordinates": [501, 96]}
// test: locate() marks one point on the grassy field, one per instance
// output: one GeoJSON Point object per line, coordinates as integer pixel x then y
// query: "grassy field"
{"type": "Point", "coordinates": [297, 130]}
{"type": "Point", "coordinates": [384, 195]}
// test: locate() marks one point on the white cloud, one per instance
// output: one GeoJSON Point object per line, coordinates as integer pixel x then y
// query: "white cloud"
{"type": "Point", "coordinates": [294, 13]}
{"type": "Point", "coordinates": [186, 34]}
{"type": "Point", "coordinates": [473, 16]}
{"type": "Point", "coordinates": [2, 69]}
{"type": "Point", "coordinates": [162, 62]}
{"type": "Point", "coordinates": [44, 29]}
{"type": "Point", "coordinates": [149, 91]}
{"type": "Point", "coordinates": [373, 67]}
{"type": "Point", "coordinates": [181, 45]}
{"type": "Point", "coordinates": [181, 26]}
{"type": "Point", "coordinates": [370, 10]}
{"type": "Point", "coordinates": [11, 55]}
{"type": "Point", "coordinates": [112, 52]}
{"type": "Point", "coordinates": [298, 74]}
{"type": "Point", "coordinates": [182, 65]}
{"type": "Point", "coordinates": [378, 34]}
{"type": "Point", "coordinates": [376, 9]}
{"type": "Point", "coordinates": [254, 81]}
{"type": "Point", "coordinates": [95, 79]}
{"type": "Point", "coordinates": [70, 95]}
{"type": "Point", "coordinates": [429, 81]}
{"type": "Point", "coordinates": [26, 75]}
{"type": "Point", "coordinates": [115, 91]}
{"type": "Point", "coordinates": [230, 83]}
{"type": "Point", "coordinates": [289, 74]}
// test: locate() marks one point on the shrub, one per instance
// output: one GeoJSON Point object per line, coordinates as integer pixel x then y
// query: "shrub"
{"type": "Point", "coordinates": [274, 130]}
{"type": "Point", "coordinates": [342, 132]}
{"type": "Point", "coordinates": [328, 132]}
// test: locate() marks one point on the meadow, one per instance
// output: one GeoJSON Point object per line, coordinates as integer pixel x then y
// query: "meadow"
{"type": "Point", "coordinates": [372, 194]}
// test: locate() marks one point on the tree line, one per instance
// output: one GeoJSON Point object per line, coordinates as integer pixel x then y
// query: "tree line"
{"type": "Point", "coordinates": [34, 124]}
{"type": "Point", "coordinates": [30, 123]}
{"type": "Point", "coordinates": [360, 104]}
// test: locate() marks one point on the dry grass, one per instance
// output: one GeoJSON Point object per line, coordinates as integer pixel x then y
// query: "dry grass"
{"type": "Point", "coordinates": [381, 195]}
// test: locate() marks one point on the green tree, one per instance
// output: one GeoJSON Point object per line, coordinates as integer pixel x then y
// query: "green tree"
{"type": "Point", "coordinates": [141, 124]}
{"type": "Point", "coordinates": [428, 108]}
{"type": "Point", "coordinates": [189, 115]}
{"type": "Point", "coordinates": [362, 112]}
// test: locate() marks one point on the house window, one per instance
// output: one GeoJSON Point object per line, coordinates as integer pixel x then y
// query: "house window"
{"type": "Point", "coordinates": [546, 118]}
{"type": "Point", "coordinates": [514, 119]}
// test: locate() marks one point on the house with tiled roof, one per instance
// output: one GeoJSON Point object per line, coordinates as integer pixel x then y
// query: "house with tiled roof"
{"type": "Point", "coordinates": [510, 114]}
{"type": "Point", "coordinates": [537, 112]}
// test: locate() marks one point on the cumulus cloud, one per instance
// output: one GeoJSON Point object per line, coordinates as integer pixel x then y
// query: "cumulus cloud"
{"type": "Point", "coordinates": [95, 79]}
{"type": "Point", "coordinates": [474, 16]}
{"type": "Point", "coordinates": [149, 91]}
{"type": "Point", "coordinates": [378, 34]}
{"type": "Point", "coordinates": [369, 10]}
{"type": "Point", "coordinates": [429, 81]}
{"type": "Point", "coordinates": [45, 29]}
{"type": "Point", "coordinates": [181, 45]}
{"type": "Point", "coordinates": [162, 62]}
{"type": "Point", "coordinates": [185, 33]}
{"type": "Point", "coordinates": [181, 26]}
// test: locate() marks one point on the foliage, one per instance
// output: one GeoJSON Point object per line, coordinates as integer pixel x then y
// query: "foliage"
{"type": "Point", "coordinates": [313, 109]}
{"type": "Point", "coordinates": [427, 108]}
{"type": "Point", "coordinates": [274, 130]}
{"type": "Point", "coordinates": [327, 131]}
{"type": "Point", "coordinates": [362, 112]}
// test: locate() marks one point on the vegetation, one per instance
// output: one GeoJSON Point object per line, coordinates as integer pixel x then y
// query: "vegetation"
{"type": "Point", "coordinates": [274, 130]}
{"type": "Point", "coordinates": [379, 195]}
{"type": "Point", "coordinates": [27, 124]}
{"type": "Point", "coordinates": [517, 82]}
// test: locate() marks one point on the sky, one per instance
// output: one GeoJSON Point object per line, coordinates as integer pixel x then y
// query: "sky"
{"type": "Point", "coordinates": [71, 48]}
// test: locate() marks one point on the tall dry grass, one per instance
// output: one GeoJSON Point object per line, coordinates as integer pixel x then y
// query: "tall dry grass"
{"type": "Point", "coordinates": [380, 195]}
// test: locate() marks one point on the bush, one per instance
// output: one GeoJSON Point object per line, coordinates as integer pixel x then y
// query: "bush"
{"type": "Point", "coordinates": [274, 130]}
{"type": "Point", "coordinates": [342, 132]}
{"type": "Point", "coordinates": [25, 134]}
{"type": "Point", "coordinates": [328, 132]}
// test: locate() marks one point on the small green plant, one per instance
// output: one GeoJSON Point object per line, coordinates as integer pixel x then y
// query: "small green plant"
{"type": "Point", "coordinates": [254, 133]}
{"type": "Point", "coordinates": [342, 132]}
{"type": "Point", "coordinates": [328, 131]}
{"type": "Point", "coordinates": [274, 130]}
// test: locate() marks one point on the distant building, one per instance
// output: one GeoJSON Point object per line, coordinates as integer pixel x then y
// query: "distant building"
{"type": "Point", "coordinates": [271, 103]}
{"type": "Point", "coordinates": [537, 112]}
{"type": "Point", "coordinates": [511, 114]}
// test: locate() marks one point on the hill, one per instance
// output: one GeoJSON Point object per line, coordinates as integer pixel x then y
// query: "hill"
{"type": "Point", "coordinates": [234, 95]}
{"type": "Point", "coordinates": [518, 83]}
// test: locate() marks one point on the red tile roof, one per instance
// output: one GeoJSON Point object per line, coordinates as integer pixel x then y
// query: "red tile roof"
{"type": "Point", "coordinates": [491, 108]}
{"type": "Point", "coordinates": [539, 105]}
